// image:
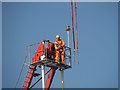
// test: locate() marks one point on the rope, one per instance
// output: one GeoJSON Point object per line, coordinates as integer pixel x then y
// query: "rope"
{"type": "Point", "coordinates": [73, 36]}
{"type": "Point", "coordinates": [74, 23]}
{"type": "Point", "coordinates": [75, 14]}
{"type": "Point", "coordinates": [72, 14]}
{"type": "Point", "coordinates": [20, 74]}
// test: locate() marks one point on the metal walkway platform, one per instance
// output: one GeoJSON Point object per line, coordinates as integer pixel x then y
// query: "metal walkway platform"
{"type": "Point", "coordinates": [51, 63]}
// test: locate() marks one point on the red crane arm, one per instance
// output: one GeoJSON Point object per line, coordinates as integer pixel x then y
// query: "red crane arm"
{"type": "Point", "coordinates": [29, 77]}
{"type": "Point", "coordinates": [50, 77]}
{"type": "Point", "coordinates": [39, 52]}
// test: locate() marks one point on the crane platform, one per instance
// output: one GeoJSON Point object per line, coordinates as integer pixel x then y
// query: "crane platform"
{"type": "Point", "coordinates": [51, 63]}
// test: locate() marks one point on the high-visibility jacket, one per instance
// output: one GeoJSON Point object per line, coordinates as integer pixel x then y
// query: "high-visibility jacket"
{"type": "Point", "coordinates": [59, 44]}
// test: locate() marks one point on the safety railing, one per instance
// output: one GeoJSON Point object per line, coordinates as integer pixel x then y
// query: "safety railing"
{"type": "Point", "coordinates": [30, 54]}
{"type": "Point", "coordinates": [68, 59]}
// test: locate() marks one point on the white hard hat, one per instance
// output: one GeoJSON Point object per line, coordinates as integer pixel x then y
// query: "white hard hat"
{"type": "Point", "coordinates": [57, 36]}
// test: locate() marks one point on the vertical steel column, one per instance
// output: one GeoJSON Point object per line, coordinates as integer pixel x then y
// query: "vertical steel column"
{"type": "Point", "coordinates": [62, 76]}
{"type": "Point", "coordinates": [68, 35]}
{"type": "Point", "coordinates": [43, 76]}
{"type": "Point", "coordinates": [43, 70]}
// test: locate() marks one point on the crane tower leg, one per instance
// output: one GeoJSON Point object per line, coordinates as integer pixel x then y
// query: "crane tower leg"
{"type": "Point", "coordinates": [50, 77]}
{"type": "Point", "coordinates": [62, 77]}
{"type": "Point", "coordinates": [43, 76]}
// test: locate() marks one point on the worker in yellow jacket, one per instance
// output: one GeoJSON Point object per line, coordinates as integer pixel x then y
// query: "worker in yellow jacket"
{"type": "Point", "coordinates": [59, 48]}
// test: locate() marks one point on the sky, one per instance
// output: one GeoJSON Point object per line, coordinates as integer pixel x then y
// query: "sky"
{"type": "Point", "coordinates": [27, 23]}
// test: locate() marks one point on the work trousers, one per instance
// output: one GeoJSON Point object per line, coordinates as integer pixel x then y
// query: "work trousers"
{"type": "Point", "coordinates": [60, 56]}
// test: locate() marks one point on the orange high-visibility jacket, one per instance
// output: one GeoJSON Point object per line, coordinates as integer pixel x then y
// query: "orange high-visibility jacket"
{"type": "Point", "coordinates": [59, 44]}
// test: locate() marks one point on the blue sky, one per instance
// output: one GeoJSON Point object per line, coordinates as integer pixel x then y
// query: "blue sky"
{"type": "Point", "coordinates": [26, 23]}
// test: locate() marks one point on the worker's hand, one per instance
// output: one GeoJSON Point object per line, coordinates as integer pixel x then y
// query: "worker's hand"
{"type": "Point", "coordinates": [57, 49]}
{"type": "Point", "coordinates": [57, 45]}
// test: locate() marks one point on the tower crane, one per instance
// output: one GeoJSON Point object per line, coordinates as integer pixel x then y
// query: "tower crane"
{"type": "Point", "coordinates": [45, 57]}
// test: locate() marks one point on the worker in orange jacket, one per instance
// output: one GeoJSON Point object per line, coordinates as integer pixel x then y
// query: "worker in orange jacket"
{"type": "Point", "coordinates": [59, 48]}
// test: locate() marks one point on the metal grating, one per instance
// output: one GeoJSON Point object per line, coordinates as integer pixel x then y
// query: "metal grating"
{"type": "Point", "coordinates": [51, 63]}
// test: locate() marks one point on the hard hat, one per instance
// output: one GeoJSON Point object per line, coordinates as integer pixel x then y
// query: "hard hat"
{"type": "Point", "coordinates": [57, 36]}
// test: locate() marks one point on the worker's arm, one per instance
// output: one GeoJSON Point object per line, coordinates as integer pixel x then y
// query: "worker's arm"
{"type": "Point", "coordinates": [63, 43]}
{"type": "Point", "coordinates": [56, 46]}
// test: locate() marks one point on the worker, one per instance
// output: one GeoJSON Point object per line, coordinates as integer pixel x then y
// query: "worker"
{"type": "Point", "coordinates": [59, 50]}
